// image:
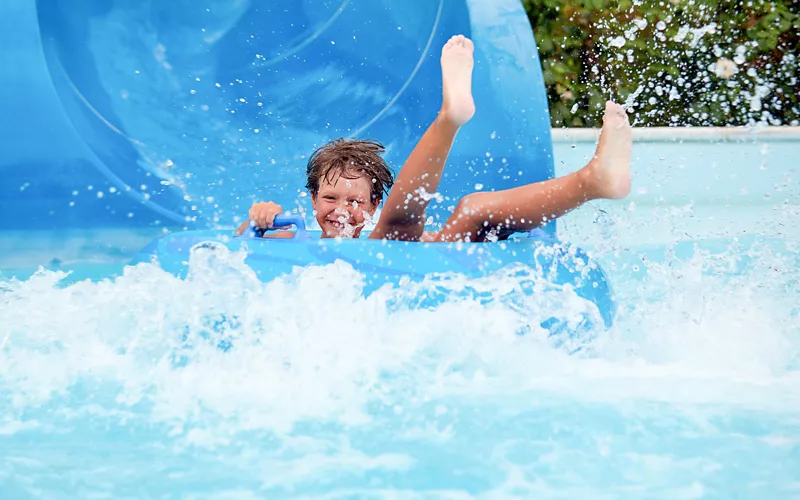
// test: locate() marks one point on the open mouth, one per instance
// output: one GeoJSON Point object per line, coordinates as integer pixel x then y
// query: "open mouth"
{"type": "Point", "coordinates": [342, 227]}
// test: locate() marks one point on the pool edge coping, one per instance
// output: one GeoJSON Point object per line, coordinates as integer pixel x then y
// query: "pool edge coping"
{"type": "Point", "coordinates": [684, 134]}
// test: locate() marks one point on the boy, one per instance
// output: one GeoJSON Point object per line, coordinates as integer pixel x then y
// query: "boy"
{"type": "Point", "coordinates": [347, 179]}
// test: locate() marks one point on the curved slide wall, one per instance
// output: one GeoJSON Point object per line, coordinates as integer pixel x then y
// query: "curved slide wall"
{"type": "Point", "coordinates": [124, 113]}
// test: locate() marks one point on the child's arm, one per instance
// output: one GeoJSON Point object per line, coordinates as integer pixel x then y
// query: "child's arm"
{"type": "Point", "coordinates": [403, 215]}
{"type": "Point", "coordinates": [242, 228]}
{"type": "Point", "coordinates": [262, 215]}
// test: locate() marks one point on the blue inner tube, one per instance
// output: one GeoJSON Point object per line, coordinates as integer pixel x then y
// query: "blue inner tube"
{"type": "Point", "coordinates": [543, 261]}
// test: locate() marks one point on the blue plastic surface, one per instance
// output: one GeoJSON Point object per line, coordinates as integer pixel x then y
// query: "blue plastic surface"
{"type": "Point", "coordinates": [391, 262]}
{"type": "Point", "coordinates": [127, 113]}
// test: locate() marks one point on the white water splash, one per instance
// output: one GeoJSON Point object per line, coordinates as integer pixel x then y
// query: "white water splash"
{"type": "Point", "coordinates": [284, 380]}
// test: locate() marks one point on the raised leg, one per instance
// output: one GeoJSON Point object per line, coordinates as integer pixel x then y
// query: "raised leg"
{"type": "Point", "coordinates": [524, 208]}
{"type": "Point", "coordinates": [403, 215]}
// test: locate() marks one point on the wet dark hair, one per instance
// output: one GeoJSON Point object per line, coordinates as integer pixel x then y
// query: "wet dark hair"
{"type": "Point", "coordinates": [350, 158]}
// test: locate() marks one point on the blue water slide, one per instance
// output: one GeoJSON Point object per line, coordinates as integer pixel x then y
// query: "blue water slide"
{"type": "Point", "coordinates": [124, 113]}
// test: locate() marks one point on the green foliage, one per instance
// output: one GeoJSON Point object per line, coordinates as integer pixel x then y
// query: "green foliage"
{"type": "Point", "coordinates": [674, 62]}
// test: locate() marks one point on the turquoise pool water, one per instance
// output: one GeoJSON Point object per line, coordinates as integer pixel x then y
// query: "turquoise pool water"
{"type": "Point", "coordinates": [110, 386]}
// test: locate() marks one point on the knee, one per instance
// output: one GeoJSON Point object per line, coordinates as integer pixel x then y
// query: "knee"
{"type": "Point", "coordinates": [473, 214]}
{"type": "Point", "coordinates": [480, 213]}
{"type": "Point", "coordinates": [471, 207]}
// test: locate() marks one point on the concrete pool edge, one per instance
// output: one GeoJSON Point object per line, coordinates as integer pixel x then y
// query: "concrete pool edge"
{"type": "Point", "coordinates": [692, 134]}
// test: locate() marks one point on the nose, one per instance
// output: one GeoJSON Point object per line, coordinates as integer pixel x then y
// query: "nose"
{"type": "Point", "coordinates": [347, 206]}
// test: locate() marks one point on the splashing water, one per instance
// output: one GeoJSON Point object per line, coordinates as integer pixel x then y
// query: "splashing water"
{"type": "Point", "coordinates": [676, 63]}
{"type": "Point", "coordinates": [225, 386]}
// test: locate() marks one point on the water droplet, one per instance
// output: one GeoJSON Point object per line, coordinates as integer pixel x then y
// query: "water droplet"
{"type": "Point", "coordinates": [618, 42]}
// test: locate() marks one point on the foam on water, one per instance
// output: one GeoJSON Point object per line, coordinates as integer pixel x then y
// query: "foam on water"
{"type": "Point", "coordinates": [304, 385]}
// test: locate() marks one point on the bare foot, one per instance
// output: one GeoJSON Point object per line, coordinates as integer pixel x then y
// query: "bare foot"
{"type": "Point", "coordinates": [457, 63]}
{"type": "Point", "coordinates": [609, 172]}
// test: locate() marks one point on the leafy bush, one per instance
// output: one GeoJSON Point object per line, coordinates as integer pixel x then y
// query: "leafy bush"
{"type": "Point", "coordinates": [674, 62]}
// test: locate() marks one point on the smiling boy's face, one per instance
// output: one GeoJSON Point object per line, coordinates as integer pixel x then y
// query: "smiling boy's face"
{"type": "Point", "coordinates": [343, 205]}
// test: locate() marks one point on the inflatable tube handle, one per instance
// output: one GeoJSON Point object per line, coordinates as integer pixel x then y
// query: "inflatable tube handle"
{"type": "Point", "coordinates": [285, 220]}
